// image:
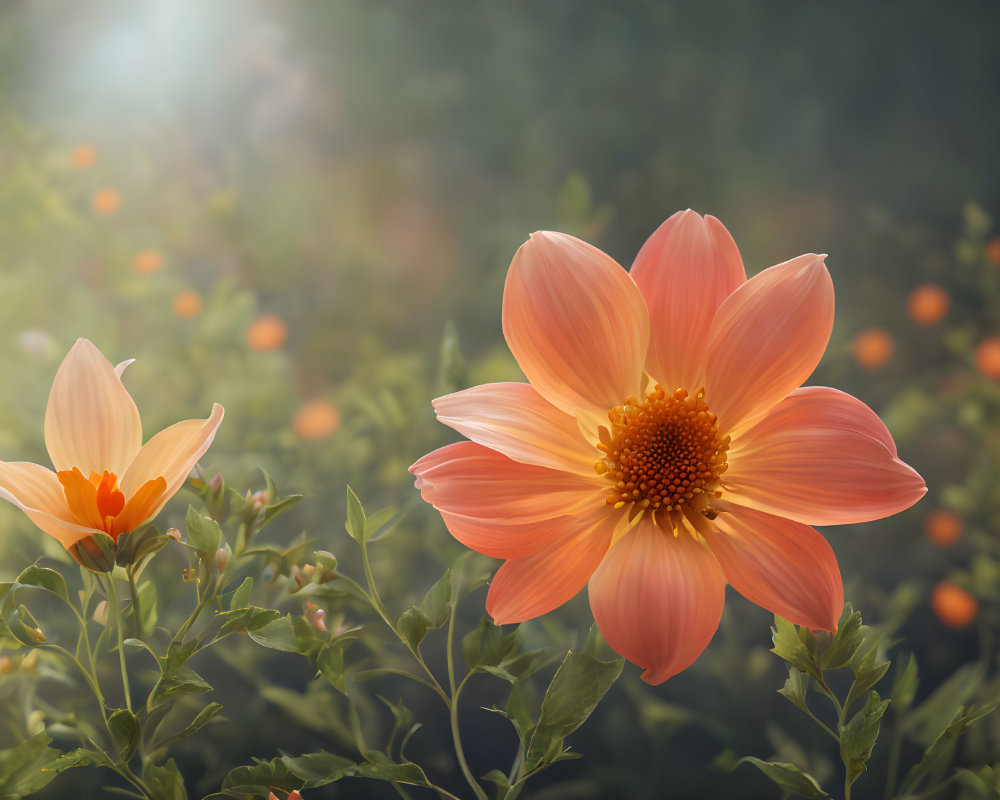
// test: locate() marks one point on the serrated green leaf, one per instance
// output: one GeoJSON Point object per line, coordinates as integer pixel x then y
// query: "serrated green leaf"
{"type": "Point", "coordinates": [43, 578]}
{"type": "Point", "coordinates": [845, 642]}
{"type": "Point", "coordinates": [436, 605]}
{"type": "Point", "coordinates": [789, 646]}
{"type": "Point", "coordinates": [318, 769]}
{"type": "Point", "coordinates": [859, 734]}
{"type": "Point", "coordinates": [576, 688]}
{"type": "Point", "coordinates": [355, 523]}
{"type": "Point", "coordinates": [412, 624]}
{"type": "Point", "coordinates": [203, 533]}
{"type": "Point", "coordinates": [241, 597]}
{"type": "Point", "coordinates": [867, 674]}
{"type": "Point", "coordinates": [789, 777]}
{"type": "Point", "coordinates": [904, 685]}
{"type": "Point", "coordinates": [125, 732]}
{"type": "Point", "coordinates": [795, 688]}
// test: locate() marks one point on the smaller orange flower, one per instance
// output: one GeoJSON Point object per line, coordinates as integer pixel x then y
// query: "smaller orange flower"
{"type": "Point", "coordinates": [988, 357]}
{"type": "Point", "coordinates": [267, 332]}
{"type": "Point", "coordinates": [954, 606]}
{"type": "Point", "coordinates": [993, 249]}
{"type": "Point", "coordinates": [105, 202]}
{"type": "Point", "coordinates": [147, 261]}
{"type": "Point", "coordinates": [315, 420]}
{"type": "Point", "coordinates": [187, 304]}
{"type": "Point", "coordinates": [873, 348]}
{"type": "Point", "coordinates": [84, 156]}
{"type": "Point", "coordinates": [943, 527]}
{"type": "Point", "coordinates": [928, 304]}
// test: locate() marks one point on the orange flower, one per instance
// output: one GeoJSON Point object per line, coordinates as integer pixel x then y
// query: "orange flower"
{"type": "Point", "coordinates": [873, 348]}
{"type": "Point", "coordinates": [993, 249]}
{"type": "Point", "coordinates": [267, 332]}
{"type": "Point", "coordinates": [315, 420]}
{"type": "Point", "coordinates": [147, 261]}
{"type": "Point", "coordinates": [84, 156]}
{"type": "Point", "coordinates": [187, 304]}
{"type": "Point", "coordinates": [988, 357]}
{"type": "Point", "coordinates": [954, 606]}
{"type": "Point", "coordinates": [106, 481]}
{"type": "Point", "coordinates": [928, 304]}
{"type": "Point", "coordinates": [105, 202]}
{"type": "Point", "coordinates": [943, 527]}
{"type": "Point", "coordinates": [661, 448]}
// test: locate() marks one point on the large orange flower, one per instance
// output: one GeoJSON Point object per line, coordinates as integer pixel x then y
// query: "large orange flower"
{"type": "Point", "coordinates": [106, 481]}
{"type": "Point", "coordinates": [662, 447]}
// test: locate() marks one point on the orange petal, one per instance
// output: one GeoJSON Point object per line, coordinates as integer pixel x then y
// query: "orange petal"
{"type": "Point", "coordinates": [469, 479]}
{"type": "Point", "coordinates": [140, 507]}
{"type": "Point", "coordinates": [576, 323]}
{"type": "Point", "coordinates": [658, 600]}
{"type": "Point", "coordinates": [172, 454]}
{"type": "Point", "coordinates": [505, 538]}
{"type": "Point", "coordinates": [767, 338]}
{"type": "Point", "coordinates": [38, 493]}
{"type": "Point", "coordinates": [524, 588]}
{"type": "Point", "coordinates": [820, 457]}
{"type": "Point", "coordinates": [81, 497]}
{"type": "Point", "coordinates": [91, 421]}
{"type": "Point", "coordinates": [685, 270]}
{"type": "Point", "coordinates": [783, 566]}
{"type": "Point", "coordinates": [514, 419]}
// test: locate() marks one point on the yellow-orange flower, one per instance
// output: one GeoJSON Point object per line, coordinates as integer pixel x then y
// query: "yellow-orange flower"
{"type": "Point", "coordinates": [106, 480]}
{"type": "Point", "coordinates": [267, 332]}
{"type": "Point", "coordinates": [187, 304]}
{"type": "Point", "coordinates": [147, 261]}
{"type": "Point", "coordinates": [84, 156]}
{"type": "Point", "coordinates": [315, 420]}
{"type": "Point", "coordinates": [987, 357]}
{"type": "Point", "coordinates": [662, 448]}
{"type": "Point", "coordinates": [105, 202]}
{"type": "Point", "coordinates": [953, 605]}
{"type": "Point", "coordinates": [943, 527]}
{"type": "Point", "coordinates": [928, 304]}
{"type": "Point", "coordinates": [873, 348]}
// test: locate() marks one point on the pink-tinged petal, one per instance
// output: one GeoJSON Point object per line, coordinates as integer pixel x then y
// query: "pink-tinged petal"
{"type": "Point", "coordinates": [514, 419]}
{"type": "Point", "coordinates": [506, 538]}
{"type": "Point", "coordinates": [471, 480]}
{"type": "Point", "coordinates": [121, 366]}
{"type": "Point", "coordinates": [783, 566]}
{"type": "Point", "coordinates": [767, 338]}
{"type": "Point", "coordinates": [820, 457]}
{"type": "Point", "coordinates": [171, 454]}
{"type": "Point", "coordinates": [576, 323]}
{"type": "Point", "coordinates": [91, 421]}
{"type": "Point", "coordinates": [38, 493]}
{"type": "Point", "coordinates": [685, 270]}
{"type": "Point", "coordinates": [658, 599]}
{"type": "Point", "coordinates": [524, 588]}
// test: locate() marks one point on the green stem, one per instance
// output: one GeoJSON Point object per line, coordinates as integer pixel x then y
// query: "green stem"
{"type": "Point", "coordinates": [892, 772]}
{"type": "Point", "coordinates": [136, 609]}
{"type": "Point", "coordinates": [113, 602]}
{"type": "Point", "coordinates": [833, 699]}
{"type": "Point", "coordinates": [456, 735]}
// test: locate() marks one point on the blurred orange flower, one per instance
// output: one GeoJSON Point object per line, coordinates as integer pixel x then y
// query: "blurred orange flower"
{"type": "Point", "coordinates": [105, 202]}
{"type": "Point", "coordinates": [928, 304]}
{"type": "Point", "coordinates": [147, 261]}
{"type": "Point", "coordinates": [661, 448]}
{"type": "Point", "coordinates": [84, 156]}
{"type": "Point", "coordinates": [315, 420]}
{"type": "Point", "coordinates": [873, 348]}
{"type": "Point", "coordinates": [993, 249]}
{"type": "Point", "coordinates": [954, 606]}
{"type": "Point", "coordinates": [943, 527]}
{"type": "Point", "coordinates": [988, 357]}
{"type": "Point", "coordinates": [106, 480]}
{"type": "Point", "coordinates": [266, 332]}
{"type": "Point", "coordinates": [187, 304]}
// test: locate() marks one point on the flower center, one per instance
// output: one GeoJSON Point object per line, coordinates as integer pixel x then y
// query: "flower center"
{"type": "Point", "coordinates": [97, 502]}
{"type": "Point", "coordinates": [663, 453]}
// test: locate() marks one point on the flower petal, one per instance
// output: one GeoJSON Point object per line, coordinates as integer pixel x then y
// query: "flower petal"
{"type": "Point", "coordinates": [767, 338]}
{"type": "Point", "coordinates": [469, 479]}
{"type": "Point", "coordinates": [820, 457]}
{"type": "Point", "coordinates": [91, 421]}
{"type": "Point", "coordinates": [576, 323]}
{"type": "Point", "coordinates": [172, 454]}
{"type": "Point", "coordinates": [514, 419]}
{"type": "Point", "coordinates": [524, 588]}
{"type": "Point", "coordinates": [783, 566]}
{"type": "Point", "coordinates": [142, 505]}
{"type": "Point", "coordinates": [685, 270]}
{"type": "Point", "coordinates": [658, 600]}
{"type": "Point", "coordinates": [38, 493]}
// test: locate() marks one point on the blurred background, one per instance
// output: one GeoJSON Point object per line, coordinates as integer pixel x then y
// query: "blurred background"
{"type": "Point", "coordinates": [305, 212]}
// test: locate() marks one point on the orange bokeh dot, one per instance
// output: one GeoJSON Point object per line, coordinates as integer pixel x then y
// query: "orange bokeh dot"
{"type": "Point", "coordinates": [266, 333]}
{"type": "Point", "coordinates": [147, 261]}
{"type": "Point", "coordinates": [928, 304]}
{"type": "Point", "coordinates": [954, 606]}
{"type": "Point", "coordinates": [187, 304]}
{"type": "Point", "coordinates": [105, 201]}
{"type": "Point", "coordinates": [873, 348]}
{"type": "Point", "coordinates": [988, 357]}
{"type": "Point", "coordinates": [315, 420]}
{"type": "Point", "coordinates": [943, 527]}
{"type": "Point", "coordinates": [993, 249]}
{"type": "Point", "coordinates": [84, 156]}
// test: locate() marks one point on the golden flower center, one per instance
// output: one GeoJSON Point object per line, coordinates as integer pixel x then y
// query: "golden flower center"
{"type": "Point", "coordinates": [662, 453]}
{"type": "Point", "coordinates": [97, 502]}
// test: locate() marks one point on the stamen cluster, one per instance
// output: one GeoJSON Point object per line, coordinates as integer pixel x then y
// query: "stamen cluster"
{"type": "Point", "coordinates": [663, 452]}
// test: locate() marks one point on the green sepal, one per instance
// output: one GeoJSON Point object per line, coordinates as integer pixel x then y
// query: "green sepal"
{"type": "Point", "coordinates": [134, 547]}
{"type": "Point", "coordinates": [203, 533]}
{"type": "Point", "coordinates": [96, 552]}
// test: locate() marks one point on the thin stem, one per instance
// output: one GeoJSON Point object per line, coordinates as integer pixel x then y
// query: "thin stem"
{"type": "Point", "coordinates": [895, 748]}
{"type": "Point", "coordinates": [113, 601]}
{"type": "Point", "coordinates": [456, 735]}
{"type": "Point", "coordinates": [833, 699]}
{"type": "Point", "coordinates": [136, 609]}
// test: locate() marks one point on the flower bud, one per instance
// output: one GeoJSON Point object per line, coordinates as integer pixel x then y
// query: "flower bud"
{"type": "Point", "coordinates": [174, 534]}
{"type": "Point", "coordinates": [216, 483]}
{"type": "Point", "coordinates": [222, 558]}
{"type": "Point", "coordinates": [6, 665]}
{"type": "Point", "coordinates": [101, 613]}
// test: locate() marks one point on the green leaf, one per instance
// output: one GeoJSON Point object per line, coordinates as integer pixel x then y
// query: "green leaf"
{"type": "Point", "coordinates": [499, 778]}
{"type": "Point", "coordinates": [248, 620]}
{"type": "Point", "coordinates": [925, 723]}
{"type": "Point", "coordinates": [269, 512]}
{"type": "Point", "coordinates": [277, 635]}
{"type": "Point", "coordinates": [177, 682]}
{"type": "Point", "coordinates": [203, 533]}
{"type": "Point", "coordinates": [985, 783]}
{"type": "Point", "coordinates": [412, 624]}
{"type": "Point", "coordinates": [355, 517]}
{"type": "Point", "coordinates": [576, 688]}
{"type": "Point", "coordinates": [867, 674]}
{"type": "Point", "coordinates": [789, 777]}
{"type": "Point", "coordinates": [241, 597]}
{"type": "Point", "coordinates": [43, 578]}
{"type": "Point", "coordinates": [436, 605]}
{"type": "Point", "coordinates": [403, 721]}
{"type": "Point", "coordinates": [904, 686]}
{"type": "Point", "coordinates": [25, 769]}
{"type": "Point", "coordinates": [125, 733]}
{"type": "Point", "coordinates": [380, 519]}
{"type": "Point", "coordinates": [845, 642]}
{"type": "Point", "coordinates": [859, 734]}
{"type": "Point", "coordinates": [330, 663]}
{"type": "Point", "coordinates": [259, 779]}
{"type": "Point", "coordinates": [318, 769]}
{"type": "Point", "coordinates": [788, 645]}
{"type": "Point", "coordinates": [203, 717]}
{"type": "Point", "coordinates": [518, 714]}
{"type": "Point", "coordinates": [164, 781]}
{"type": "Point", "coordinates": [407, 772]}
{"type": "Point", "coordinates": [486, 644]}
{"type": "Point", "coordinates": [24, 628]}
{"type": "Point", "coordinates": [795, 688]}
